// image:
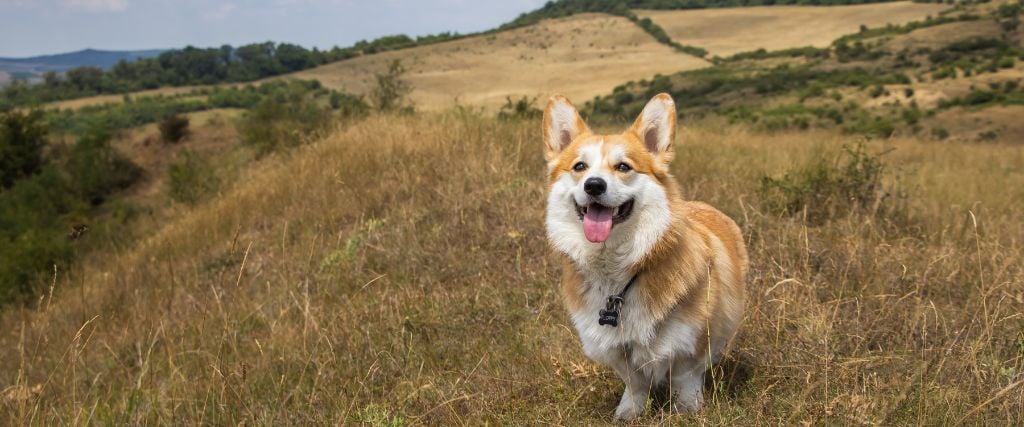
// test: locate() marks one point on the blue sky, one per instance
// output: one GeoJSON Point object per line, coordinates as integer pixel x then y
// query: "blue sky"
{"type": "Point", "coordinates": [34, 27]}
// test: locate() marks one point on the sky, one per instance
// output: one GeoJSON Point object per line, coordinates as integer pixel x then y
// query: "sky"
{"type": "Point", "coordinates": [37, 27]}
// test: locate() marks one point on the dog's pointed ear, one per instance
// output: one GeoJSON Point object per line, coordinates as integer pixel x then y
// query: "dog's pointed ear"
{"type": "Point", "coordinates": [656, 126]}
{"type": "Point", "coordinates": [562, 124]}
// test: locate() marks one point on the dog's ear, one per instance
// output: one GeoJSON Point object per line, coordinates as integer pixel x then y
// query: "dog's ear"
{"type": "Point", "coordinates": [562, 124]}
{"type": "Point", "coordinates": [656, 126]}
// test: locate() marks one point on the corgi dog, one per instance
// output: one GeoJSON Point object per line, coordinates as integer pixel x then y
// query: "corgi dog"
{"type": "Point", "coordinates": [654, 284]}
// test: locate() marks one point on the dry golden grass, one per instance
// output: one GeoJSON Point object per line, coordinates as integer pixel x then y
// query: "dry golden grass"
{"type": "Point", "coordinates": [941, 35]}
{"type": "Point", "coordinates": [727, 31]}
{"type": "Point", "coordinates": [398, 271]}
{"type": "Point", "coordinates": [211, 134]}
{"type": "Point", "coordinates": [582, 56]}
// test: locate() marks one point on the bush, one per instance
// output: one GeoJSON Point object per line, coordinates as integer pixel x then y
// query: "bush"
{"type": "Point", "coordinates": [22, 138]}
{"type": "Point", "coordinates": [348, 105]}
{"type": "Point", "coordinates": [523, 108]}
{"type": "Point", "coordinates": [96, 170]}
{"type": "Point", "coordinates": [173, 128]}
{"type": "Point", "coordinates": [283, 118]}
{"type": "Point", "coordinates": [191, 179]}
{"type": "Point", "coordinates": [828, 188]}
{"type": "Point", "coordinates": [391, 90]}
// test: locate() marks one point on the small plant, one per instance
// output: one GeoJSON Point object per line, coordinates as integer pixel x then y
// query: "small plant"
{"type": "Point", "coordinates": [827, 188]}
{"type": "Point", "coordinates": [283, 118]}
{"type": "Point", "coordinates": [173, 128]}
{"type": "Point", "coordinates": [522, 108]}
{"type": "Point", "coordinates": [348, 105]}
{"type": "Point", "coordinates": [191, 179]}
{"type": "Point", "coordinates": [391, 90]}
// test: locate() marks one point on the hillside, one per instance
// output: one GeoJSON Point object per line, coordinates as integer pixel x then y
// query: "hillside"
{"type": "Point", "coordinates": [582, 56]}
{"type": "Point", "coordinates": [302, 255]}
{"type": "Point", "coordinates": [726, 31]}
{"type": "Point", "coordinates": [954, 75]}
{"type": "Point", "coordinates": [355, 280]}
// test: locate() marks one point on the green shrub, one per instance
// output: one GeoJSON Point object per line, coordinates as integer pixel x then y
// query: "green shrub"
{"type": "Point", "coordinates": [284, 118]}
{"type": "Point", "coordinates": [348, 105]}
{"type": "Point", "coordinates": [173, 128]}
{"type": "Point", "coordinates": [522, 108]}
{"type": "Point", "coordinates": [22, 138]}
{"type": "Point", "coordinates": [827, 188]}
{"type": "Point", "coordinates": [391, 91]}
{"type": "Point", "coordinates": [867, 125]}
{"type": "Point", "coordinates": [191, 178]}
{"type": "Point", "coordinates": [96, 170]}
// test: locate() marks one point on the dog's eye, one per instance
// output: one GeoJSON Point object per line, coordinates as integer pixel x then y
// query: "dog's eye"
{"type": "Point", "coordinates": [579, 167]}
{"type": "Point", "coordinates": [622, 167]}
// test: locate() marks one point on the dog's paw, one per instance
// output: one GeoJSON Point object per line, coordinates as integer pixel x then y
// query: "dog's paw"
{"type": "Point", "coordinates": [627, 411]}
{"type": "Point", "coordinates": [691, 403]}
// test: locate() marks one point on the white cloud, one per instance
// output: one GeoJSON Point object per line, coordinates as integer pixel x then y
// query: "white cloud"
{"type": "Point", "coordinates": [99, 5]}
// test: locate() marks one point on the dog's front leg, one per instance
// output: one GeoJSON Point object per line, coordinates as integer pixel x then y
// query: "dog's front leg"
{"type": "Point", "coordinates": [687, 383]}
{"type": "Point", "coordinates": [638, 388]}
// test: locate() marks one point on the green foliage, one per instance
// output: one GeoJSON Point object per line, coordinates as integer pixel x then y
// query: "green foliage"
{"type": "Point", "coordinates": [198, 66]}
{"type": "Point", "coordinates": [827, 188]}
{"type": "Point", "coordinates": [22, 138]}
{"type": "Point", "coordinates": [872, 126]}
{"type": "Point", "coordinates": [96, 170]}
{"type": "Point", "coordinates": [145, 110]}
{"type": "Point", "coordinates": [121, 116]}
{"type": "Point", "coordinates": [36, 212]}
{"type": "Point", "coordinates": [808, 52]}
{"type": "Point", "coordinates": [173, 128]}
{"type": "Point", "coordinates": [191, 178]}
{"type": "Point", "coordinates": [891, 29]}
{"type": "Point", "coordinates": [1000, 94]}
{"type": "Point", "coordinates": [391, 90]}
{"type": "Point", "coordinates": [711, 89]}
{"type": "Point", "coordinates": [523, 108]}
{"type": "Point", "coordinates": [284, 118]}
{"type": "Point", "coordinates": [348, 105]}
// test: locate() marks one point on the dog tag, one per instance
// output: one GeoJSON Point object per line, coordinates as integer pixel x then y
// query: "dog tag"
{"type": "Point", "coordinates": [610, 315]}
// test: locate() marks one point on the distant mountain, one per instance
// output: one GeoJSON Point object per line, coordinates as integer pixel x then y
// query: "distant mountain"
{"type": "Point", "coordinates": [37, 65]}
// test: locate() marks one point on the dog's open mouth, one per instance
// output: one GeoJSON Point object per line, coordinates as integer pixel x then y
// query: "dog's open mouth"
{"type": "Point", "coordinates": [599, 219]}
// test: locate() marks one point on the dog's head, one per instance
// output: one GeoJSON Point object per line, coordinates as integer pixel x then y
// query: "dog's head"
{"type": "Point", "coordinates": [600, 184]}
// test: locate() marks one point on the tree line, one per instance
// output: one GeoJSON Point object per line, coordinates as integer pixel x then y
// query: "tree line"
{"type": "Point", "coordinates": [197, 66]}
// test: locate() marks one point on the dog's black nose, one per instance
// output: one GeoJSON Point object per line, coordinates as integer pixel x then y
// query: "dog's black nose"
{"type": "Point", "coordinates": [595, 186]}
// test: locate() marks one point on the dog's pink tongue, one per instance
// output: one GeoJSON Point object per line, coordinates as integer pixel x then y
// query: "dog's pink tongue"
{"type": "Point", "coordinates": [597, 223]}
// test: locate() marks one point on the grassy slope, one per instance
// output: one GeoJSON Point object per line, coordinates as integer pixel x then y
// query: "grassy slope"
{"type": "Point", "coordinates": [898, 79]}
{"type": "Point", "coordinates": [728, 31]}
{"type": "Point", "coordinates": [550, 56]}
{"type": "Point", "coordinates": [538, 60]}
{"type": "Point", "coordinates": [398, 270]}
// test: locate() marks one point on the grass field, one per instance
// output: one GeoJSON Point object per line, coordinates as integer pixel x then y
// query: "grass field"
{"type": "Point", "coordinates": [397, 272]}
{"type": "Point", "coordinates": [581, 56]}
{"type": "Point", "coordinates": [727, 31]}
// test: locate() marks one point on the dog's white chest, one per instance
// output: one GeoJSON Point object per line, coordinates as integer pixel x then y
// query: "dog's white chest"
{"type": "Point", "coordinates": [648, 340]}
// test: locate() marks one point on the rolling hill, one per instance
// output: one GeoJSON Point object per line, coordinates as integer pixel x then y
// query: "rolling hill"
{"type": "Point", "coordinates": [582, 56]}
{"type": "Point", "coordinates": [392, 268]}
{"type": "Point", "coordinates": [726, 31]}
{"type": "Point", "coordinates": [33, 67]}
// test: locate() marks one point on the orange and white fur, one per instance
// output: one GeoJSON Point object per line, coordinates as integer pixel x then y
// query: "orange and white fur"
{"type": "Point", "coordinates": [614, 210]}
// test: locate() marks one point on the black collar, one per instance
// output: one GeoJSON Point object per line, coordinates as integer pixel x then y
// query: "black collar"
{"type": "Point", "coordinates": [610, 315]}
